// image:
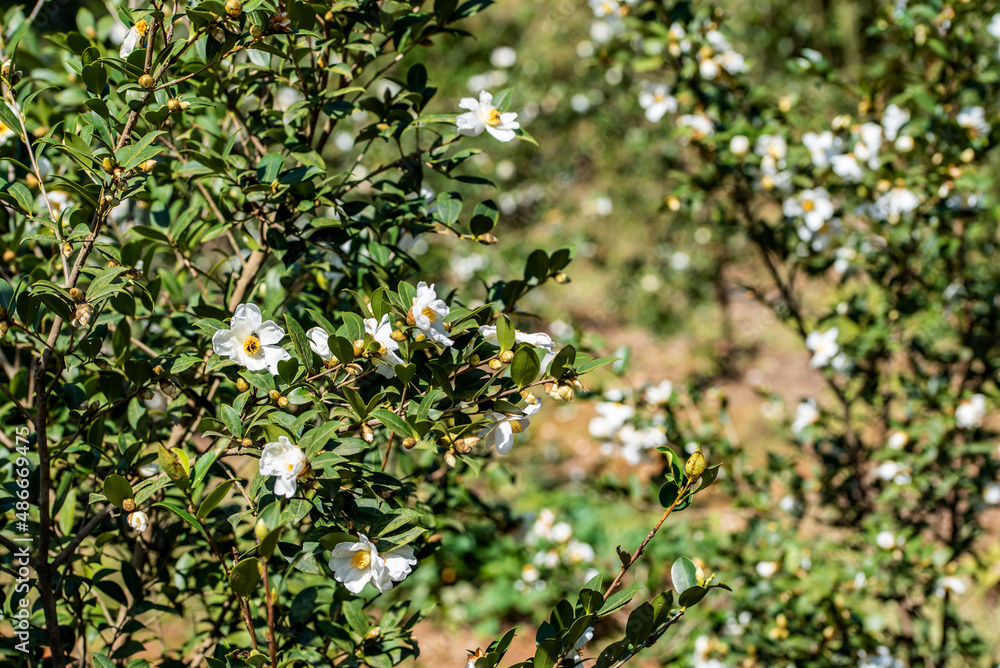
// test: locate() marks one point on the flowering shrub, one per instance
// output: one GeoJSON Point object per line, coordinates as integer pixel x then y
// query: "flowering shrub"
{"type": "Point", "coordinates": [243, 406]}
{"type": "Point", "coordinates": [851, 170]}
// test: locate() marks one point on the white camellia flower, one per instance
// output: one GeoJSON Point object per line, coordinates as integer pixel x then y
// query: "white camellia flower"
{"type": "Point", "coordinates": [659, 394]}
{"type": "Point", "coordinates": [822, 147]}
{"type": "Point", "coordinates": [6, 134]}
{"type": "Point", "coordinates": [847, 167]}
{"type": "Point", "coordinates": [893, 120]}
{"type": "Point", "coordinates": [381, 331]}
{"type": "Point", "coordinates": [766, 569]}
{"type": "Point", "coordinates": [708, 69]}
{"type": "Point", "coordinates": [950, 583]}
{"type": "Point", "coordinates": [886, 540]}
{"type": "Point", "coordinates": [898, 440]}
{"type": "Point", "coordinates": [973, 119]}
{"type": "Point", "coordinates": [991, 493]}
{"type": "Point", "coordinates": [134, 37]}
{"type": "Point", "coordinates": [538, 339]}
{"type": "Point", "coordinates": [500, 428]}
{"type": "Point", "coordinates": [138, 521]}
{"type": "Point", "coordinates": [482, 115]}
{"type": "Point", "coordinates": [428, 313]}
{"type": "Point", "coordinates": [867, 148]}
{"type": "Point", "coordinates": [969, 413]}
{"type": "Point", "coordinates": [805, 415]}
{"type": "Point", "coordinates": [895, 203]}
{"type": "Point", "coordinates": [286, 463]}
{"type": "Point", "coordinates": [357, 564]}
{"type": "Point", "coordinates": [250, 342]}
{"type": "Point", "coordinates": [656, 100]}
{"type": "Point", "coordinates": [732, 62]}
{"type": "Point", "coordinates": [739, 145]}
{"type": "Point", "coordinates": [319, 341]}
{"type": "Point", "coordinates": [701, 126]}
{"type": "Point", "coordinates": [819, 240]}
{"type": "Point", "coordinates": [771, 145]}
{"type": "Point", "coordinates": [813, 206]}
{"type": "Point", "coordinates": [824, 347]}
{"type": "Point", "coordinates": [611, 416]}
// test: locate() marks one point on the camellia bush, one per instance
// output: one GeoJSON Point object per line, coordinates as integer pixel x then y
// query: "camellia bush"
{"type": "Point", "coordinates": [848, 179]}
{"type": "Point", "coordinates": [238, 416]}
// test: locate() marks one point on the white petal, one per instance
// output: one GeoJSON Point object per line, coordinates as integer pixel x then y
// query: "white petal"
{"type": "Point", "coordinates": [500, 134]}
{"type": "Point", "coordinates": [269, 333]}
{"type": "Point", "coordinates": [504, 437]}
{"type": "Point", "coordinates": [273, 355]}
{"type": "Point", "coordinates": [224, 343]}
{"type": "Point", "coordinates": [249, 314]}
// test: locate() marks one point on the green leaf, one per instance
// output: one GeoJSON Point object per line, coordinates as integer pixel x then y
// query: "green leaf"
{"type": "Point", "coordinates": [9, 118]}
{"type": "Point", "coordinates": [683, 575]}
{"type": "Point", "coordinates": [231, 418]}
{"type": "Point", "coordinates": [595, 364]}
{"type": "Point", "coordinates": [616, 601]}
{"type": "Point", "coordinates": [117, 489]}
{"type": "Point", "coordinates": [245, 576]}
{"type": "Point", "coordinates": [131, 156]}
{"type": "Point", "coordinates": [524, 367]}
{"type": "Point", "coordinates": [300, 341]}
{"type": "Point", "coordinates": [171, 463]}
{"type": "Point", "coordinates": [562, 361]}
{"type": "Point", "coordinates": [449, 207]}
{"type": "Point", "coordinates": [393, 422]}
{"type": "Point", "coordinates": [691, 596]}
{"type": "Point", "coordinates": [101, 661]}
{"type": "Point", "coordinates": [611, 654]}
{"type": "Point", "coordinates": [546, 654]}
{"type": "Point", "coordinates": [184, 515]}
{"type": "Point", "coordinates": [505, 333]}
{"type": "Point", "coordinates": [314, 440]}
{"type": "Point", "coordinates": [640, 624]}
{"type": "Point", "coordinates": [215, 498]}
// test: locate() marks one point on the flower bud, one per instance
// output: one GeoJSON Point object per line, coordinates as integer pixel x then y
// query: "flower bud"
{"type": "Point", "coordinates": [397, 335]}
{"type": "Point", "coordinates": [168, 389]}
{"type": "Point", "coordinates": [496, 364]}
{"type": "Point", "coordinates": [67, 250]}
{"type": "Point", "coordinates": [375, 631]}
{"type": "Point", "coordinates": [566, 393]}
{"type": "Point", "coordinates": [4, 328]}
{"type": "Point", "coordinates": [9, 256]}
{"type": "Point", "coordinates": [506, 356]}
{"type": "Point", "coordinates": [108, 165]}
{"type": "Point", "coordinates": [185, 105]}
{"type": "Point", "coordinates": [174, 105]}
{"type": "Point", "coordinates": [562, 278]}
{"type": "Point", "coordinates": [695, 465]}
{"type": "Point", "coordinates": [449, 459]}
{"type": "Point", "coordinates": [148, 166]}
{"type": "Point", "coordinates": [474, 360]}
{"type": "Point", "coordinates": [246, 443]}
{"type": "Point", "coordinates": [359, 347]}
{"type": "Point", "coordinates": [242, 385]}
{"type": "Point", "coordinates": [409, 443]}
{"type": "Point", "coordinates": [147, 395]}
{"type": "Point", "coordinates": [138, 521]}
{"type": "Point", "coordinates": [354, 369]}
{"type": "Point", "coordinates": [256, 31]}
{"type": "Point", "coordinates": [367, 434]}
{"type": "Point", "coordinates": [283, 402]}
{"type": "Point", "coordinates": [274, 395]}
{"type": "Point", "coordinates": [529, 398]}
{"type": "Point", "coordinates": [146, 81]}
{"type": "Point", "coordinates": [102, 364]}
{"type": "Point", "coordinates": [128, 505]}
{"type": "Point", "coordinates": [487, 239]}
{"type": "Point", "coordinates": [234, 8]}
{"type": "Point", "coordinates": [260, 529]}
{"type": "Point", "coordinates": [157, 370]}
{"type": "Point", "coordinates": [465, 445]}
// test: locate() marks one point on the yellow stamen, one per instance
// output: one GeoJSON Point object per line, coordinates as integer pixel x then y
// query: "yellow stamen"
{"type": "Point", "coordinates": [808, 205]}
{"type": "Point", "coordinates": [515, 426]}
{"type": "Point", "coordinates": [142, 27]}
{"type": "Point", "coordinates": [251, 345]}
{"type": "Point", "coordinates": [361, 560]}
{"type": "Point", "coordinates": [429, 313]}
{"type": "Point", "coordinates": [494, 119]}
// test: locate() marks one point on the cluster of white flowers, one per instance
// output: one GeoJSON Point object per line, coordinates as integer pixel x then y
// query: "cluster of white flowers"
{"type": "Point", "coordinates": [894, 471]}
{"type": "Point", "coordinates": [555, 546]}
{"type": "Point", "coordinates": [612, 425]}
{"type": "Point", "coordinates": [969, 413]}
{"type": "Point", "coordinates": [881, 659]}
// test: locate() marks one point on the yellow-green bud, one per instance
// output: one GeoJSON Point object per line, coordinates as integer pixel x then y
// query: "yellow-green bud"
{"type": "Point", "coordinates": [9, 256]}
{"type": "Point", "coordinates": [242, 385]}
{"type": "Point", "coordinates": [246, 443]}
{"type": "Point", "coordinates": [174, 105]}
{"type": "Point", "coordinates": [146, 81]}
{"type": "Point", "coordinates": [256, 31]}
{"type": "Point", "coordinates": [359, 347]}
{"type": "Point", "coordinates": [506, 356]}
{"type": "Point", "coordinates": [234, 8]}
{"type": "Point", "coordinates": [367, 434]}
{"type": "Point", "coordinates": [128, 505]}
{"type": "Point", "coordinates": [496, 364]}
{"type": "Point", "coordinates": [409, 443]}
{"type": "Point", "coordinates": [695, 465]}
{"type": "Point", "coordinates": [274, 394]}
{"type": "Point", "coordinates": [397, 335]}
{"type": "Point", "coordinates": [260, 530]}
{"type": "Point", "coordinates": [148, 166]}
{"type": "Point", "coordinates": [108, 165]}
{"type": "Point", "coordinates": [283, 402]}
{"type": "Point", "coordinates": [76, 294]}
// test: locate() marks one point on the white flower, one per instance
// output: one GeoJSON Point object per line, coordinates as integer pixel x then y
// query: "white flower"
{"type": "Point", "coordinates": [656, 100]}
{"type": "Point", "coordinates": [610, 418]}
{"type": "Point", "coordinates": [823, 345]}
{"type": "Point", "coordinates": [483, 115]}
{"type": "Point", "coordinates": [701, 126]}
{"type": "Point", "coordinates": [134, 38]}
{"type": "Point", "coordinates": [969, 413]}
{"type": "Point", "coordinates": [5, 134]}
{"type": "Point", "coordinates": [898, 440]}
{"type": "Point", "coordinates": [904, 143]}
{"type": "Point", "coordinates": [847, 167]}
{"type": "Point", "coordinates": [659, 394]}
{"type": "Point", "coordinates": [562, 532]}
{"type": "Point", "coordinates": [702, 648]}
{"type": "Point", "coordinates": [708, 69]}
{"type": "Point", "coordinates": [250, 342]}
{"type": "Point", "coordinates": [991, 493]}
{"type": "Point", "coordinates": [538, 339]}
{"type": "Point", "coordinates": [973, 119]}
{"type": "Point", "coordinates": [57, 199]}
{"type": "Point", "coordinates": [357, 564]}
{"type": "Point", "coordinates": [822, 147]}
{"type": "Point", "coordinates": [500, 428]}
{"type": "Point", "coordinates": [882, 659]}
{"type": "Point", "coordinates": [138, 521]}
{"type": "Point", "coordinates": [428, 314]}
{"type": "Point", "coordinates": [585, 637]}
{"type": "Point", "coordinates": [805, 415]}
{"type": "Point", "coordinates": [994, 26]}
{"type": "Point", "coordinates": [895, 203]}
{"type": "Point", "coordinates": [608, 9]}
{"type": "Point", "coordinates": [766, 569]}
{"type": "Point", "coordinates": [893, 119]}
{"type": "Point", "coordinates": [732, 62]}
{"type": "Point", "coordinates": [772, 145]}
{"type": "Point", "coordinates": [867, 148]}
{"type": "Point", "coordinates": [814, 206]}
{"type": "Point", "coordinates": [285, 462]}
{"type": "Point", "coordinates": [503, 56]}
{"type": "Point", "coordinates": [387, 358]}
{"type": "Point", "coordinates": [886, 540]}
{"type": "Point", "coordinates": [739, 145]}
{"type": "Point", "coordinates": [319, 341]}
{"type": "Point", "coordinates": [950, 583]}
{"type": "Point", "coordinates": [819, 240]}
{"type": "Point", "coordinates": [578, 552]}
